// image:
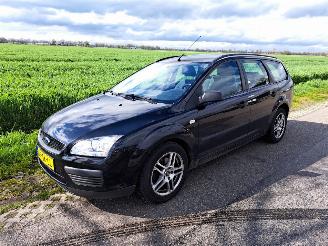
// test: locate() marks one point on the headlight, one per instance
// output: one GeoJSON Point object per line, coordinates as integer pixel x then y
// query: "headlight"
{"type": "Point", "coordinates": [97, 147]}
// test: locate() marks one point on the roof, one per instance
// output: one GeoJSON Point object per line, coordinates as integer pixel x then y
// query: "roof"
{"type": "Point", "coordinates": [213, 57]}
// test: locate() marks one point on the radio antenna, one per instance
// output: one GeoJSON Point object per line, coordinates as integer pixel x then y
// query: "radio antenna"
{"type": "Point", "coordinates": [179, 59]}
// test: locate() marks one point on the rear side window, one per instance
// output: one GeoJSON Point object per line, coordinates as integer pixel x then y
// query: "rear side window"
{"type": "Point", "coordinates": [256, 74]}
{"type": "Point", "coordinates": [277, 70]}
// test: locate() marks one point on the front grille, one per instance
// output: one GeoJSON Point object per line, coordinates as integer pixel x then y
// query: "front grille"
{"type": "Point", "coordinates": [51, 142]}
{"type": "Point", "coordinates": [86, 181]}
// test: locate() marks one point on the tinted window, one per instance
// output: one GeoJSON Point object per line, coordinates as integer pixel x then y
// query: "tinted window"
{"type": "Point", "coordinates": [224, 78]}
{"type": "Point", "coordinates": [256, 74]}
{"type": "Point", "coordinates": [277, 70]}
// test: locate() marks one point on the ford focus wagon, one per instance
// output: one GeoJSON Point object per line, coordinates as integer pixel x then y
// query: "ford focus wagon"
{"type": "Point", "coordinates": [176, 114]}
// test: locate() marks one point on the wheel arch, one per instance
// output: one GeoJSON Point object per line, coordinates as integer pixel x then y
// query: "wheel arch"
{"type": "Point", "coordinates": [178, 140]}
{"type": "Point", "coordinates": [184, 145]}
{"type": "Point", "coordinates": [175, 132]}
{"type": "Point", "coordinates": [285, 107]}
{"type": "Point", "coordinates": [280, 104]}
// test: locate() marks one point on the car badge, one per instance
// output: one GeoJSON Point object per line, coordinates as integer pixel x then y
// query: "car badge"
{"type": "Point", "coordinates": [46, 140]}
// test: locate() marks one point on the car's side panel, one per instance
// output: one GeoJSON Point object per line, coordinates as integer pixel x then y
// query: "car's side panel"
{"type": "Point", "coordinates": [221, 122]}
{"type": "Point", "coordinates": [285, 98]}
{"type": "Point", "coordinates": [261, 101]}
{"type": "Point", "coordinates": [179, 127]}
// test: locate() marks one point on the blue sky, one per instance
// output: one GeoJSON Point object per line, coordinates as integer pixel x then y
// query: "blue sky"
{"type": "Point", "coordinates": [258, 24]}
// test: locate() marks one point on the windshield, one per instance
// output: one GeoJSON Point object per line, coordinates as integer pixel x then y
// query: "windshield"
{"type": "Point", "coordinates": [162, 82]}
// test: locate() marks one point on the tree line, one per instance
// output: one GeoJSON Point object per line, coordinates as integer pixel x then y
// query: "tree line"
{"type": "Point", "coordinates": [146, 47]}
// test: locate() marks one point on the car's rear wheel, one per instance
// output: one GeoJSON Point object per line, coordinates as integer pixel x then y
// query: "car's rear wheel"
{"type": "Point", "coordinates": [278, 126]}
{"type": "Point", "coordinates": [163, 173]}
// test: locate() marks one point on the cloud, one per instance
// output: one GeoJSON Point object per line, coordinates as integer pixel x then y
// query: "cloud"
{"type": "Point", "coordinates": [233, 8]}
{"type": "Point", "coordinates": [266, 24]}
{"type": "Point", "coordinates": [98, 6]}
{"type": "Point", "coordinates": [152, 9]}
{"type": "Point", "coordinates": [316, 10]}
{"type": "Point", "coordinates": [51, 16]}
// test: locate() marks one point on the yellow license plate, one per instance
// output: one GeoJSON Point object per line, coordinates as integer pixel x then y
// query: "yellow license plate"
{"type": "Point", "coordinates": [46, 159]}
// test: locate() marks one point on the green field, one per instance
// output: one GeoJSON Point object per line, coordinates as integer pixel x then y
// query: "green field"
{"type": "Point", "coordinates": [36, 81]}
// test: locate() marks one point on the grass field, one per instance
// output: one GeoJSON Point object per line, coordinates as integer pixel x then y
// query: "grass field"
{"type": "Point", "coordinates": [36, 81]}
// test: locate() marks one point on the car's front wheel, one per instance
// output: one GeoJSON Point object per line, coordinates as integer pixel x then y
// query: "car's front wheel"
{"type": "Point", "coordinates": [278, 126]}
{"type": "Point", "coordinates": [163, 173]}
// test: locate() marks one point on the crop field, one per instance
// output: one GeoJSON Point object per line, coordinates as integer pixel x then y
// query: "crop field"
{"type": "Point", "coordinates": [36, 81]}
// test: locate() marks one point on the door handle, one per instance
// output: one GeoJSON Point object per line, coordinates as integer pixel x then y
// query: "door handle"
{"type": "Point", "coordinates": [252, 100]}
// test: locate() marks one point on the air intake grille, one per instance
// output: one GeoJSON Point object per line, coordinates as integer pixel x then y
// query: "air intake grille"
{"type": "Point", "coordinates": [87, 181]}
{"type": "Point", "coordinates": [51, 142]}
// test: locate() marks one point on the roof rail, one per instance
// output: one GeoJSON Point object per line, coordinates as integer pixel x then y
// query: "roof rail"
{"type": "Point", "coordinates": [166, 58]}
{"type": "Point", "coordinates": [245, 54]}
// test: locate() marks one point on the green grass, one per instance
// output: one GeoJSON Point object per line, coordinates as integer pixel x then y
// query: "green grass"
{"type": "Point", "coordinates": [36, 81]}
{"type": "Point", "coordinates": [310, 92]}
{"type": "Point", "coordinates": [17, 150]}
{"type": "Point", "coordinates": [16, 192]}
{"type": "Point", "coordinates": [306, 68]}
{"type": "Point", "coordinates": [21, 179]}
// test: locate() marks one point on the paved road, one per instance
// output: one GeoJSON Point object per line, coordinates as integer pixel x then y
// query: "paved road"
{"type": "Point", "coordinates": [260, 194]}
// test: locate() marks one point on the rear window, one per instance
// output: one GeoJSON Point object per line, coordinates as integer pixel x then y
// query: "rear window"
{"type": "Point", "coordinates": [277, 70]}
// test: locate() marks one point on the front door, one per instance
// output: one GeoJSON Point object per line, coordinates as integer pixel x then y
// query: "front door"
{"type": "Point", "coordinates": [221, 124]}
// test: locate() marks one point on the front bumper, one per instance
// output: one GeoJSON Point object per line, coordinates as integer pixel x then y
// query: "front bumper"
{"type": "Point", "coordinates": [101, 194]}
{"type": "Point", "coordinates": [89, 177]}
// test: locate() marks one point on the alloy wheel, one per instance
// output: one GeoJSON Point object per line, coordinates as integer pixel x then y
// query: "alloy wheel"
{"type": "Point", "coordinates": [167, 173]}
{"type": "Point", "coordinates": [279, 125]}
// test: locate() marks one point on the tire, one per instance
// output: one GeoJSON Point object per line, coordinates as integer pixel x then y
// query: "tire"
{"type": "Point", "coordinates": [278, 126]}
{"type": "Point", "coordinates": [161, 179]}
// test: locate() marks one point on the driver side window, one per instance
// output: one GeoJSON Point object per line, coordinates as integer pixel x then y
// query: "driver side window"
{"type": "Point", "coordinates": [224, 78]}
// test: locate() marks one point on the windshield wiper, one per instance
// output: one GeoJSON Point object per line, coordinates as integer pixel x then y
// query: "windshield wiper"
{"type": "Point", "coordinates": [111, 92]}
{"type": "Point", "coordinates": [135, 97]}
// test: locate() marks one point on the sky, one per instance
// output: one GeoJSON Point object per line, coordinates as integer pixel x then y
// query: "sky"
{"type": "Point", "coordinates": [293, 25]}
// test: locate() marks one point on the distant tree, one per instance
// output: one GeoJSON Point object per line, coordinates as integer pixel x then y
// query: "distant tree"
{"type": "Point", "coordinates": [3, 40]}
{"type": "Point", "coordinates": [86, 44]}
{"type": "Point", "coordinates": [53, 42]}
{"type": "Point", "coordinates": [147, 47]}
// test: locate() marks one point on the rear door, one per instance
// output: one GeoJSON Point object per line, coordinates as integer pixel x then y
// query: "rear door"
{"type": "Point", "coordinates": [222, 123]}
{"type": "Point", "coordinates": [261, 94]}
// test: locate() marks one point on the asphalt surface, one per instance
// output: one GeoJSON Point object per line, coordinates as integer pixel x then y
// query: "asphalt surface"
{"type": "Point", "coordinates": [260, 194]}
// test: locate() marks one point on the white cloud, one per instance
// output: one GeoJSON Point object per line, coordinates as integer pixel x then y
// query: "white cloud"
{"type": "Point", "coordinates": [293, 25]}
{"type": "Point", "coordinates": [84, 18]}
{"type": "Point", "coordinates": [9, 12]}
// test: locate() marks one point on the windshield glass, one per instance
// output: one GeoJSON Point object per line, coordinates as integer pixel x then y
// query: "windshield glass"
{"type": "Point", "coordinates": [162, 82]}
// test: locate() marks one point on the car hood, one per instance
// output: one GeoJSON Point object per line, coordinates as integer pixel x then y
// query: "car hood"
{"type": "Point", "coordinates": [103, 114]}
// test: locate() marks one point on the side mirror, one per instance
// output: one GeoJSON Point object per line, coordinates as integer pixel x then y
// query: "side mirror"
{"type": "Point", "coordinates": [210, 96]}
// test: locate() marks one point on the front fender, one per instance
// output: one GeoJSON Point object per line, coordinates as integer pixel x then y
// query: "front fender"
{"type": "Point", "coordinates": [166, 133]}
{"type": "Point", "coordinates": [171, 132]}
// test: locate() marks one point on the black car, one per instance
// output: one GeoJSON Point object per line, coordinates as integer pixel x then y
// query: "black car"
{"type": "Point", "coordinates": [174, 115]}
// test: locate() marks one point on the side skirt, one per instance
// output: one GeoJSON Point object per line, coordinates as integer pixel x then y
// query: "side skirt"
{"type": "Point", "coordinates": [214, 154]}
